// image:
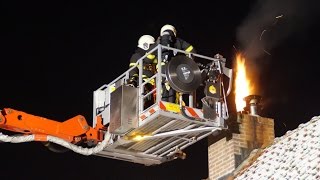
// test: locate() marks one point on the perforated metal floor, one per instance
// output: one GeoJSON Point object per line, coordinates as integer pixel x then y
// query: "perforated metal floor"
{"type": "Point", "coordinates": [161, 138]}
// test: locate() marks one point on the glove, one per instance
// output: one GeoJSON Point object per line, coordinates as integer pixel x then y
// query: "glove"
{"type": "Point", "coordinates": [132, 82]}
{"type": "Point", "coordinates": [167, 85]}
{"type": "Point", "coordinates": [166, 55]}
{"type": "Point", "coordinates": [165, 58]}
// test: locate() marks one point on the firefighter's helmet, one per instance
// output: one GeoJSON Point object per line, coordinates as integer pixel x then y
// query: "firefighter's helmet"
{"type": "Point", "coordinates": [168, 27]}
{"type": "Point", "coordinates": [145, 41]}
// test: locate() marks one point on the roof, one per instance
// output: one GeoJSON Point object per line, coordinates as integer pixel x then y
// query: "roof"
{"type": "Point", "coordinates": [296, 155]}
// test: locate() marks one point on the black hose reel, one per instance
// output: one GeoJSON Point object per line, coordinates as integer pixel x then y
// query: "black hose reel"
{"type": "Point", "coordinates": [183, 74]}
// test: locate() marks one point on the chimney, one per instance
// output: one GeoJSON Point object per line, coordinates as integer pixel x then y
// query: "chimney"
{"type": "Point", "coordinates": [247, 133]}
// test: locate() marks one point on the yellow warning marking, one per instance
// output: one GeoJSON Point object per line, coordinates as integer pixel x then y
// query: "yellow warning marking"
{"type": "Point", "coordinates": [172, 107]}
{"type": "Point", "coordinates": [212, 89]}
{"type": "Point", "coordinates": [112, 88]}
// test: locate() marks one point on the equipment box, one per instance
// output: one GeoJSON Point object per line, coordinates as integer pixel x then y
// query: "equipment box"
{"type": "Point", "coordinates": [123, 110]}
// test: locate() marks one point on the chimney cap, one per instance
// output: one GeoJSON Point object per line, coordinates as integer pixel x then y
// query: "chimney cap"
{"type": "Point", "coordinates": [253, 99]}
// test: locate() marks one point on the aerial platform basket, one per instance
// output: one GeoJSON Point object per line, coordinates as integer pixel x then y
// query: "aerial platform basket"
{"type": "Point", "coordinates": [160, 132]}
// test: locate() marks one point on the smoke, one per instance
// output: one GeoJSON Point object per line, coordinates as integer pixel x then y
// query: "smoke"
{"type": "Point", "coordinates": [272, 21]}
{"type": "Point", "coordinates": [268, 24]}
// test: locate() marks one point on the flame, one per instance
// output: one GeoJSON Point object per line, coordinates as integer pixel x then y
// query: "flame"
{"type": "Point", "coordinates": [242, 84]}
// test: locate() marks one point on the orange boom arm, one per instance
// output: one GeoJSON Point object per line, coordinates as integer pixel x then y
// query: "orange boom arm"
{"type": "Point", "coordinates": [72, 130]}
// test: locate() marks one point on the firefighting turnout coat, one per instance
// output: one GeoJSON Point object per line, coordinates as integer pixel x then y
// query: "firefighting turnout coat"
{"type": "Point", "coordinates": [183, 45]}
{"type": "Point", "coordinates": [149, 63]}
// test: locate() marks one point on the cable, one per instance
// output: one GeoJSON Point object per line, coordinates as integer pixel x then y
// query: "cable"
{"type": "Point", "coordinates": [183, 108]}
{"type": "Point", "coordinates": [16, 139]}
{"type": "Point", "coordinates": [78, 149]}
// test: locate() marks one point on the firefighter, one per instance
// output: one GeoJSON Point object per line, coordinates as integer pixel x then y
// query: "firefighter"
{"type": "Point", "coordinates": [145, 44]}
{"type": "Point", "coordinates": [168, 37]}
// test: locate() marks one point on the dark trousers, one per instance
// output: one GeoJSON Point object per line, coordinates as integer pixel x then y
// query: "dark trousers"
{"type": "Point", "coordinates": [149, 100]}
{"type": "Point", "coordinates": [168, 95]}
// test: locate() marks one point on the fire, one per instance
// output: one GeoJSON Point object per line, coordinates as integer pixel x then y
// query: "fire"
{"type": "Point", "coordinates": [242, 84]}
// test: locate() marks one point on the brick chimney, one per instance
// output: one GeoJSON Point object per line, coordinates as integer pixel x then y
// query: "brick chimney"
{"type": "Point", "coordinates": [247, 132]}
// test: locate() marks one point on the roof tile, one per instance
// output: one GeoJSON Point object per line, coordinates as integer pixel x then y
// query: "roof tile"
{"type": "Point", "coordinates": [295, 155]}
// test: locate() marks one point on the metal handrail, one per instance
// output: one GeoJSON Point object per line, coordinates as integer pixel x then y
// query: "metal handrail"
{"type": "Point", "coordinates": [158, 76]}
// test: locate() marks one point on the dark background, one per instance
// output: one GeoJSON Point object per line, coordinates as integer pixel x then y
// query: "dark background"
{"type": "Point", "coordinates": [55, 54]}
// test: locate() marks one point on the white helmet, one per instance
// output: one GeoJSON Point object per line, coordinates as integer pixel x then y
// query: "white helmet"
{"type": "Point", "coordinates": [145, 41]}
{"type": "Point", "coordinates": [168, 27]}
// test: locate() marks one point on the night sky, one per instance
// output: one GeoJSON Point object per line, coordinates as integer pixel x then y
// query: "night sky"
{"type": "Point", "coordinates": [55, 54]}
